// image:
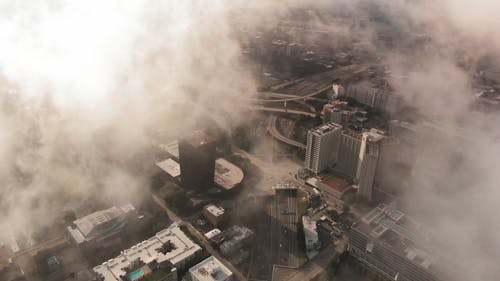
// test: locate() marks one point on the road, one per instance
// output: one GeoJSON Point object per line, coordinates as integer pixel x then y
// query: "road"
{"type": "Point", "coordinates": [200, 237]}
{"type": "Point", "coordinates": [273, 130]}
{"type": "Point", "coordinates": [280, 97]}
{"type": "Point", "coordinates": [171, 215]}
{"type": "Point", "coordinates": [284, 110]}
{"type": "Point", "coordinates": [46, 244]}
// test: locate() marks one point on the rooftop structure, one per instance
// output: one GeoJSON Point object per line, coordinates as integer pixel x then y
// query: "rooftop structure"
{"type": "Point", "coordinates": [394, 245]}
{"type": "Point", "coordinates": [170, 244]}
{"type": "Point", "coordinates": [236, 237]}
{"type": "Point", "coordinates": [322, 147]}
{"type": "Point", "coordinates": [333, 188]}
{"type": "Point", "coordinates": [214, 214]}
{"type": "Point", "coordinates": [227, 175]}
{"type": "Point", "coordinates": [212, 233]}
{"type": "Point", "coordinates": [214, 210]}
{"type": "Point", "coordinates": [210, 269]}
{"type": "Point", "coordinates": [100, 224]}
{"type": "Point", "coordinates": [170, 167]}
{"type": "Point", "coordinates": [311, 236]}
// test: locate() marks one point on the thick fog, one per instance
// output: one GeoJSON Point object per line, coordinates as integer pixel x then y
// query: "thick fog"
{"type": "Point", "coordinates": [88, 86]}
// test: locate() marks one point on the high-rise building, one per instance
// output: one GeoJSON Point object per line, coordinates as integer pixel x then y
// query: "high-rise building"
{"type": "Point", "coordinates": [322, 147]}
{"type": "Point", "coordinates": [368, 161]}
{"type": "Point", "coordinates": [348, 156]}
{"type": "Point", "coordinates": [395, 246]}
{"type": "Point", "coordinates": [197, 161]}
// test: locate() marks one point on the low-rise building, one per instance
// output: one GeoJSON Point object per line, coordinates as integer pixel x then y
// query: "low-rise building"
{"type": "Point", "coordinates": [236, 237]}
{"type": "Point", "coordinates": [210, 269]}
{"type": "Point", "coordinates": [168, 248]}
{"type": "Point", "coordinates": [311, 236]}
{"type": "Point", "coordinates": [212, 233]}
{"type": "Point", "coordinates": [214, 214]}
{"type": "Point", "coordinates": [100, 225]}
{"type": "Point", "coordinates": [333, 188]}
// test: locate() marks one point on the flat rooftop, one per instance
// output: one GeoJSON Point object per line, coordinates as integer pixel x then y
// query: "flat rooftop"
{"type": "Point", "coordinates": [399, 232]}
{"type": "Point", "coordinates": [171, 148]}
{"type": "Point", "coordinates": [326, 128]}
{"type": "Point", "coordinates": [215, 210]}
{"type": "Point", "coordinates": [374, 135]}
{"type": "Point", "coordinates": [210, 269]}
{"type": "Point", "coordinates": [89, 225]}
{"type": "Point", "coordinates": [227, 175]}
{"type": "Point", "coordinates": [150, 250]}
{"type": "Point", "coordinates": [170, 166]}
{"type": "Point", "coordinates": [197, 138]}
{"type": "Point", "coordinates": [336, 183]}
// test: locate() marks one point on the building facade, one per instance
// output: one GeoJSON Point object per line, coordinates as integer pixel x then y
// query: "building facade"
{"type": "Point", "coordinates": [322, 147]}
{"type": "Point", "coordinates": [368, 162]}
{"type": "Point", "coordinates": [214, 214]}
{"type": "Point", "coordinates": [348, 156]}
{"type": "Point", "coordinates": [395, 246]}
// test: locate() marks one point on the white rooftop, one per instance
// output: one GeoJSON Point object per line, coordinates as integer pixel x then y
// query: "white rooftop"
{"type": "Point", "coordinates": [311, 236]}
{"type": "Point", "coordinates": [326, 128]}
{"type": "Point", "coordinates": [85, 226]}
{"type": "Point", "coordinates": [215, 210]}
{"type": "Point", "coordinates": [148, 251]}
{"type": "Point", "coordinates": [170, 166]}
{"type": "Point", "coordinates": [227, 174]}
{"type": "Point", "coordinates": [172, 148]}
{"type": "Point", "coordinates": [210, 269]}
{"type": "Point", "coordinates": [212, 233]}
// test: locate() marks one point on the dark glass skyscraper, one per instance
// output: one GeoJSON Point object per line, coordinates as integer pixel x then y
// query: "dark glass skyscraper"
{"type": "Point", "coordinates": [197, 161]}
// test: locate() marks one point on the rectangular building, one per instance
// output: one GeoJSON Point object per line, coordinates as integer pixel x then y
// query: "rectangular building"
{"type": "Point", "coordinates": [99, 225]}
{"type": "Point", "coordinates": [322, 147]}
{"type": "Point", "coordinates": [213, 214]}
{"type": "Point", "coordinates": [236, 237]}
{"type": "Point", "coordinates": [348, 157]}
{"type": "Point", "coordinates": [310, 236]}
{"type": "Point", "coordinates": [197, 161]}
{"type": "Point", "coordinates": [394, 245]}
{"type": "Point", "coordinates": [170, 246]}
{"type": "Point", "coordinates": [333, 188]}
{"type": "Point", "coordinates": [368, 161]}
{"type": "Point", "coordinates": [210, 269]}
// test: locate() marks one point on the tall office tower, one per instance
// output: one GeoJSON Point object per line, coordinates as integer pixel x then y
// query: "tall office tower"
{"type": "Point", "coordinates": [197, 161]}
{"type": "Point", "coordinates": [322, 147]}
{"type": "Point", "coordinates": [368, 161]}
{"type": "Point", "coordinates": [348, 157]}
{"type": "Point", "coordinates": [396, 247]}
